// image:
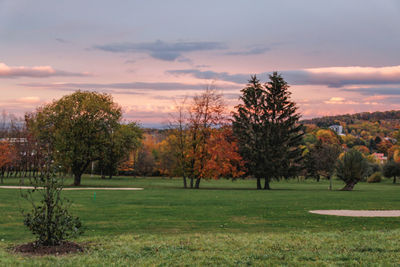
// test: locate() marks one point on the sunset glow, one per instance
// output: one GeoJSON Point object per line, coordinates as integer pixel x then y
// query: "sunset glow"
{"type": "Point", "coordinates": [338, 57]}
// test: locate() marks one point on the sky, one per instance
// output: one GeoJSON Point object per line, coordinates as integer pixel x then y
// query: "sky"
{"type": "Point", "coordinates": [338, 56]}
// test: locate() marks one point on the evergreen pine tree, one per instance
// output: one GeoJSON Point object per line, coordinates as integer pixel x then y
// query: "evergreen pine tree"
{"type": "Point", "coordinates": [266, 124]}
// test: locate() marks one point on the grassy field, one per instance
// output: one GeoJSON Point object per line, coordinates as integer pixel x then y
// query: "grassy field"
{"type": "Point", "coordinates": [224, 223]}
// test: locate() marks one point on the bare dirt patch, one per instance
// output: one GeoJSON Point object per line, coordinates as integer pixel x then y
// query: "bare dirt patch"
{"type": "Point", "coordinates": [39, 250]}
{"type": "Point", "coordinates": [359, 213]}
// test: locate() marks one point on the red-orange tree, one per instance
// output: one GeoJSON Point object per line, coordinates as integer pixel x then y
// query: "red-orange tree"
{"type": "Point", "coordinates": [223, 159]}
{"type": "Point", "coordinates": [203, 148]}
{"type": "Point", "coordinates": [7, 155]}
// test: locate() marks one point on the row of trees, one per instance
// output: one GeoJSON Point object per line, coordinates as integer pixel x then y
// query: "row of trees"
{"type": "Point", "coordinates": [78, 129]}
{"type": "Point", "coordinates": [261, 138]}
{"type": "Point", "coordinates": [262, 141]}
{"type": "Point", "coordinates": [20, 156]}
{"type": "Point", "coordinates": [378, 116]}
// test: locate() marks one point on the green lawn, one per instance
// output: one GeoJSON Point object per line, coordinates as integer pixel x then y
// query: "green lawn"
{"type": "Point", "coordinates": [224, 223]}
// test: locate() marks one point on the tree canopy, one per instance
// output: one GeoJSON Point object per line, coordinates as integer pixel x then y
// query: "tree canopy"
{"type": "Point", "coordinates": [267, 126]}
{"type": "Point", "coordinates": [351, 168]}
{"type": "Point", "coordinates": [391, 169]}
{"type": "Point", "coordinates": [125, 139]}
{"type": "Point", "coordinates": [77, 128]}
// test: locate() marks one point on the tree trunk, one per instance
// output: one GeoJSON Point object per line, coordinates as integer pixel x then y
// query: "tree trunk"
{"type": "Point", "coordinates": [266, 185]}
{"type": "Point", "coordinates": [349, 186]}
{"type": "Point", "coordinates": [258, 183]}
{"type": "Point", "coordinates": [110, 176]}
{"type": "Point", "coordinates": [191, 182]}
{"type": "Point", "coordinates": [77, 179]}
{"type": "Point", "coordinates": [394, 179]}
{"type": "Point", "coordinates": [49, 200]}
{"type": "Point", "coordinates": [197, 186]}
{"type": "Point", "coordinates": [330, 182]}
{"type": "Point", "coordinates": [184, 181]}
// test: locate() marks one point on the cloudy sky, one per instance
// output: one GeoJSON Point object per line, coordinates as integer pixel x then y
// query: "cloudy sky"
{"type": "Point", "coordinates": [339, 56]}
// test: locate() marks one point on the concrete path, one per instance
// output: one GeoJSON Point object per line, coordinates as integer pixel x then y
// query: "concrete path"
{"type": "Point", "coordinates": [77, 188]}
{"type": "Point", "coordinates": [359, 213]}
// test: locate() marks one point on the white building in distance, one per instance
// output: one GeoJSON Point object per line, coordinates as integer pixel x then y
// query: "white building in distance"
{"type": "Point", "coordinates": [337, 128]}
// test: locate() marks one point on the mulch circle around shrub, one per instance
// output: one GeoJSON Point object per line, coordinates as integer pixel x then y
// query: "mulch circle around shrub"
{"type": "Point", "coordinates": [40, 250]}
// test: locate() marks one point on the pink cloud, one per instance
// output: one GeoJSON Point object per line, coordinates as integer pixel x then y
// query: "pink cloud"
{"type": "Point", "coordinates": [376, 97]}
{"type": "Point", "coordinates": [29, 100]}
{"type": "Point", "coordinates": [340, 101]}
{"type": "Point", "coordinates": [35, 72]}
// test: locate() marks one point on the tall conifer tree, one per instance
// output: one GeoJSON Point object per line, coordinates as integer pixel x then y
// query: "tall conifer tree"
{"type": "Point", "coordinates": [266, 124]}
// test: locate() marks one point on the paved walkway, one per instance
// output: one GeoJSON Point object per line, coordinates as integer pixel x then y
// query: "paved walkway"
{"type": "Point", "coordinates": [359, 213]}
{"type": "Point", "coordinates": [75, 188]}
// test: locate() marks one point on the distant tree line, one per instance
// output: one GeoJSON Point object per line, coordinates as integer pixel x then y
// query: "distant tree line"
{"type": "Point", "coordinates": [327, 121]}
{"type": "Point", "coordinates": [263, 138]}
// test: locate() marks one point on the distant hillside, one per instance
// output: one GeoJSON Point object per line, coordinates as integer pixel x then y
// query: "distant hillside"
{"type": "Point", "coordinates": [355, 118]}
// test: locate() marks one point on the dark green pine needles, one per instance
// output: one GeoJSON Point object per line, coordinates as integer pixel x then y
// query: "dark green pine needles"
{"type": "Point", "coordinates": [266, 124]}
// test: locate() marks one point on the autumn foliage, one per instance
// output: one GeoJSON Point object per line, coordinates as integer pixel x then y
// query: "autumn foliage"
{"type": "Point", "coordinates": [327, 137]}
{"type": "Point", "coordinates": [223, 158]}
{"type": "Point", "coordinates": [6, 153]}
{"type": "Point", "coordinates": [7, 156]}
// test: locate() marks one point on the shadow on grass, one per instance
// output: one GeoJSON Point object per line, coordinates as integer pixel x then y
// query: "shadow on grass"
{"type": "Point", "coordinates": [234, 189]}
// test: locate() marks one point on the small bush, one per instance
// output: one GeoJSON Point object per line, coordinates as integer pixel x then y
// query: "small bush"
{"type": "Point", "coordinates": [391, 169]}
{"type": "Point", "coordinates": [49, 219]}
{"type": "Point", "coordinates": [373, 168]}
{"type": "Point", "coordinates": [351, 168]}
{"type": "Point", "coordinates": [376, 177]}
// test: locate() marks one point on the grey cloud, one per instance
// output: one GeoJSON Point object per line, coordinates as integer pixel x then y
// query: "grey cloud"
{"type": "Point", "coordinates": [232, 96]}
{"type": "Point", "coordinates": [130, 61]}
{"type": "Point", "coordinates": [91, 89]}
{"type": "Point", "coordinates": [337, 80]}
{"type": "Point", "coordinates": [391, 100]}
{"type": "Point", "coordinates": [149, 119]}
{"type": "Point", "coordinates": [212, 75]}
{"type": "Point", "coordinates": [61, 40]}
{"type": "Point", "coordinates": [249, 52]}
{"type": "Point", "coordinates": [165, 86]}
{"type": "Point", "coordinates": [202, 66]}
{"type": "Point", "coordinates": [374, 91]}
{"type": "Point", "coordinates": [161, 50]}
{"type": "Point", "coordinates": [298, 77]}
{"type": "Point", "coordinates": [170, 97]}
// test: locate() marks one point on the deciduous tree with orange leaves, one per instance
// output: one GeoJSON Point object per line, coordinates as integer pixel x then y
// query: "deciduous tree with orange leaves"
{"type": "Point", "coordinates": [7, 155]}
{"type": "Point", "coordinates": [205, 113]}
{"type": "Point", "coordinates": [327, 137]}
{"type": "Point", "coordinates": [203, 145]}
{"type": "Point", "coordinates": [223, 158]}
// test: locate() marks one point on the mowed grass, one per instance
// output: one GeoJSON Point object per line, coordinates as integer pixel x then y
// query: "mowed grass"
{"type": "Point", "coordinates": [300, 248]}
{"type": "Point", "coordinates": [224, 223]}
